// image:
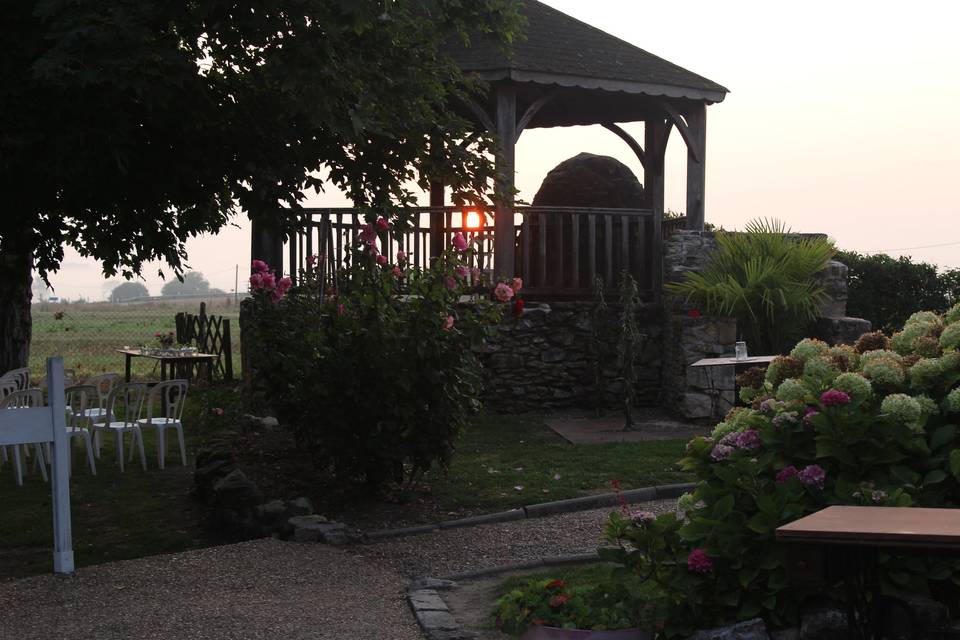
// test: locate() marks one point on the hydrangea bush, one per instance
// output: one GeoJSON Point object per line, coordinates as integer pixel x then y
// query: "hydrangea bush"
{"type": "Point", "coordinates": [377, 376]}
{"type": "Point", "coordinates": [873, 424]}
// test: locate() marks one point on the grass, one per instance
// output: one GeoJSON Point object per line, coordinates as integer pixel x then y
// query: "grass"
{"type": "Point", "coordinates": [86, 335]}
{"type": "Point", "coordinates": [504, 461]}
{"type": "Point", "coordinates": [115, 516]}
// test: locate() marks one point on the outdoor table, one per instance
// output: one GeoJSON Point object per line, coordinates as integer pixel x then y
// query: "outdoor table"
{"type": "Point", "coordinates": [170, 361]}
{"type": "Point", "coordinates": [842, 543]}
{"type": "Point", "coordinates": [739, 366]}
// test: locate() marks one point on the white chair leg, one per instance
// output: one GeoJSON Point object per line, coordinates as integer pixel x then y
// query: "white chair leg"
{"type": "Point", "coordinates": [161, 447]}
{"type": "Point", "coordinates": [120, 449]}
{"type": "Point", "coordinates": [138, 436]}
{"type": "Point", "coordinates": [3, 456]}
{"type": "Point", "coordinates": [17, 465]}
{"type": "Point", "coordinates": [41, 462]}
{"type": "Point", "coordinates": [183, 447]}
{"type": "Point", "coordinates": [87, 440]}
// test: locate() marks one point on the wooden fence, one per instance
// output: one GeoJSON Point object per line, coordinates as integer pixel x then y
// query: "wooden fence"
{"type": "Point", "coordinates": [210, 334]}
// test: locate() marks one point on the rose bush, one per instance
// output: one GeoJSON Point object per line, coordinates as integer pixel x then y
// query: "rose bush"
{"type": "Point", "coordinates": [871, 425]}
{"type": "Point", "coordinates": [377, 376]}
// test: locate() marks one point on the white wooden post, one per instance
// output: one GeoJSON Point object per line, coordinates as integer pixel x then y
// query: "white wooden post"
{"type": "Point", "coordinates": [60, 470]}
{"type": "Point", "coordinates": [48, 424]}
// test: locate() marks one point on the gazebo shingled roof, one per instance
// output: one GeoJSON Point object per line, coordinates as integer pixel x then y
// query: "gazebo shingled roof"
{"type": "Point", "coordinates": [559, 49]}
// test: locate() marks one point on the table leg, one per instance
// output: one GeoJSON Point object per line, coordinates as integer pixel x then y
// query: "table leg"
{"type": "Point", "coordinates": [163, 371]}
{"type": "Point", "coordinates": [127, 366]}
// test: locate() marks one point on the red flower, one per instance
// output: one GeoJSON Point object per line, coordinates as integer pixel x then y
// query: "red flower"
{"type": "Point", "coordinates": [518, 306]}
{"type": "Point", "coordinates": [555, 584]}
{"type": "Point", "coordinates": [539, 621]}
{"type": "Point", "coordinates": [694, 313]}
{"type": "Point", "coordinates": [559, 600]}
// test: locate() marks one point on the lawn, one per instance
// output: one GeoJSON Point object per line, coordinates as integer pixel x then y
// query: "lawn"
{"type": "Point", "coordinates": [506, 461]}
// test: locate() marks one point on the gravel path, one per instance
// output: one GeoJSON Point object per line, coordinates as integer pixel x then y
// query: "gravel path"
{"type": "Point", "coordinates": [443, 552]}
{"type": "Point", "coordinates": [260, 589]}
{"type": "Point", "coordinates": [271, 589]}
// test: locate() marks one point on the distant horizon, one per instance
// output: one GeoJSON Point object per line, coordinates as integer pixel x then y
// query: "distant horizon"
{"type": "Point", "coordinates": [834, 124]}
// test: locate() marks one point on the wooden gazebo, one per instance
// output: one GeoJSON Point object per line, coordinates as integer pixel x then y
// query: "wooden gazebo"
{"type": "Point", "coordinates": [564, 73]}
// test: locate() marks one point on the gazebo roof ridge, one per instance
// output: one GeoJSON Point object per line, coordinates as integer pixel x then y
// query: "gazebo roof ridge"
{"type": "Point", "coordinates": [561, 50]}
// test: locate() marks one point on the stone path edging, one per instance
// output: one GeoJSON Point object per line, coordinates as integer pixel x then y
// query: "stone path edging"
{"type": "Point", "coordinates": [432, 612]}
{"type": "Point", "coordinates": [543, 509]}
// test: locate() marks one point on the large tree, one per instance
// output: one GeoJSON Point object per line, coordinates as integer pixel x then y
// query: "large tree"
{"type": "Point", "coordinates": [130, 126]}
{"type": "Point", "coordinates": [128, 291]}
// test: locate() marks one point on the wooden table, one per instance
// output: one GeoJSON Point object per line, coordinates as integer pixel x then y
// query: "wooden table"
{"type": "Point", "coordinates": [170, 361]}
{"type": "Point", "coordinates": [842, 543]}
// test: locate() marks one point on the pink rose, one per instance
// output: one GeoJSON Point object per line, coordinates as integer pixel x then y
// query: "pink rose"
{"type": "Point", "coordinates": [401, 257]}
{"type": "Point", "coordinates": [256, 282]}
{"type": "Point", "coordinates": [340, 309]}
{"type": "Point", "coordinates": [475, 275]}
{"type": "Point", "coordinates": [259, 266]}
{"type": "Point", "coordinates": [268, 281]}
{"type": "Point", "coordinates": [284, 284]}
{"type": "Point", "coordinates": [460, 242]}
{"type": "Point", "coordinates": [383, 224]}
{"type": "Point", "coordinates": [381, 259]}
{"type": "Point", "coordinates": [368, 234]}
{"type": "Point", "coordinates": [396, 272]}
{"type": "Point", "coordinates": [516, 285]}
{"type": "Point", "coordinates": [448, 323]}
{"type": "Point", "coordinates": [462, 271]}
{"type": "Point", "coordinates": [451, 282]}
{"type": "Point", "coordinates": [503, 292]}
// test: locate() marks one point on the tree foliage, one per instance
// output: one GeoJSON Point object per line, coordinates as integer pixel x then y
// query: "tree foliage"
{"type": "Point", "coordinates": [766, 279]}
{"type": "Point", "coordinates": [193, 282]}
{"type": "Point", "coordinates": [130, 126]}
{"type": "Point", "coordinates": [128, 291]}
{"type": "Point", "coordinates": [886, 290]}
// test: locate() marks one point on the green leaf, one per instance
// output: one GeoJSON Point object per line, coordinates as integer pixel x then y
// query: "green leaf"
{"type": "Point", "coordinates": [942, 436]}
{"type": "Point", "coordinates": [955, 463]}
{"type": "Point", "coordinates": [723, 507]}
{"type": "Point", "coordinates": [934, 477]}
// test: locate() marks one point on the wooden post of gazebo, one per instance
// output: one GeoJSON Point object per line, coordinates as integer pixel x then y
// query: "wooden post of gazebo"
{"type": "Point", "coordinates": [504, 237]}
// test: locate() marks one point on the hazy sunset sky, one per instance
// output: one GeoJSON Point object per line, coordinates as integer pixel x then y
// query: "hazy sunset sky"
{"type": "Point", "coordinates": [841, 119]}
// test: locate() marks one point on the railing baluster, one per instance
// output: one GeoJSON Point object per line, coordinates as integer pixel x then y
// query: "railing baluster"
{"type": "Point", "coordinates": [592, 248]}
{"type": "Point", "coordinates": [339, 230]}
{"type": "Point", "coordinates": [542, 222]}
{"type": "Point", "coordinates": [526, 229]}
{"type": "Point", "coordinates": [575, 250]}
{"type": "Point", "coordinates": [625, 244]}
{"type": "Point", "coordinates": [608, 250]}
{"type": "Point", "coordinates": [640, 270]}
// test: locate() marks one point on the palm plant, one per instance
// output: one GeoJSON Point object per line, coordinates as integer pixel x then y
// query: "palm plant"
{"type": "Point", "coordinates": [766, 279]}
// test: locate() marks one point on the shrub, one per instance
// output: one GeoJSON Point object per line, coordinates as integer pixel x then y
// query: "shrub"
{"type": "Point", "coordinates": [886, 290]}
{"type": "Point", "coordinates": [374, 384]}
{"type": "Point", "coordinates": [883, 433]}
{"type": "Point", "coordinates": [764, 278]}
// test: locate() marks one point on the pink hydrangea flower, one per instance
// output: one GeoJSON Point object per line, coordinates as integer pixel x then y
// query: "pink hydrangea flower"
{"type": "Point", "coordinates": [813, 475]}
{"type": "Point", "coordinates": [699, 562]}
{"type": "Point", "coordinates": [642, 518]}
{"type": "Point", "coordinates": [450, 282]}
{"type": "Point", "coordinates": [720, 452]}
{"type": "Point", "coordinates": [462, 271]}
{"type": "Point", "coordinates": [786, 473]}
{"type": "Point", "coordinates": [503, 292]}
{"type": "Point", "coordinates": [383, 224]}
{"type": "Point", "coordinates": [516, 284]}
{"type": "Point", "coordinates": [448, 323]}
{"type": "Point", "coordinates": [749, 440]}
{"type": "Point", "coordinates": [833, 397]}
{"type": "Point", "coordinates": [259, 266]}
{"type": "Point", "coordinates": [459, 242]}
{"type": "Point", "coordinates": [809, 414]}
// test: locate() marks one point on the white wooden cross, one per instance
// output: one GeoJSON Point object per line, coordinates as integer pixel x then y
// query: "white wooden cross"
{"type": "Point", "coordinates": [48, 424]}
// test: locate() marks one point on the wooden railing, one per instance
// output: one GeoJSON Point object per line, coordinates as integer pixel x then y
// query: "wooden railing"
{"type": "Point", "coordinates": [559, 251]}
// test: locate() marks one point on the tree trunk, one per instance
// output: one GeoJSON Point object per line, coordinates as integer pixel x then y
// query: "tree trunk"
{"type": "Point", "coordinates": [15, 323]}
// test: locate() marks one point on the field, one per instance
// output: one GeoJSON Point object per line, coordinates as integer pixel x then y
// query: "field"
{"type": "Point", "coordinates": [86, 335]}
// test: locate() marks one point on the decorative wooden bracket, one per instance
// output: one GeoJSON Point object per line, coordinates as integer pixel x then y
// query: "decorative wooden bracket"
{"type": "Point", "coordinates": [680, 122]}
{"type": "Point", "coordinates": [532, 110]}
{"type": "Point", "coordinates": [630, 140]}
{"type": "Point", "coordinates": [482, 116]}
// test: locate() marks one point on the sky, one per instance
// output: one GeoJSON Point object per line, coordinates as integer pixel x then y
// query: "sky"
{"type": "Point", "coordinates": [840, 120]}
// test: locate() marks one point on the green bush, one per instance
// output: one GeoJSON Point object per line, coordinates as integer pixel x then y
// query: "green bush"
{"type": "Point", "coordinates": [376, 385]}
{"type": "Point", "coordinates": [886, 290]}
{"type": "Point", "coordinates": [876, 426]}
{"type": "Point", "coordinates": [764, 278]}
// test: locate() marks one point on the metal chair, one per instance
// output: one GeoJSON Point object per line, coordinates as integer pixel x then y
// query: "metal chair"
{"type": "Point", "coordinates": [126, 401]}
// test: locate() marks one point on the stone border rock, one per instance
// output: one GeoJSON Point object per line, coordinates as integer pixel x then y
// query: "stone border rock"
{"type": "Point", "coordinates": [543, 509]}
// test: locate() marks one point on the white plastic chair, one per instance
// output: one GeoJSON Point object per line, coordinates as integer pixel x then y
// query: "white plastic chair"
{"type": "Point", "coordinates": [98, 412]}
{"type": "Point", "coordinates": [77, 399]}
{"type": "Point", "coordinates": [7, 386]}
{"type": "Point", "coordinates": [169, 397]}
{"type": "Point", "coordinates": [125, 400]}
{"type": "Point", "coordinates": [25, 399]}
{"type": "Point", "coordinates": [22, 377]}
